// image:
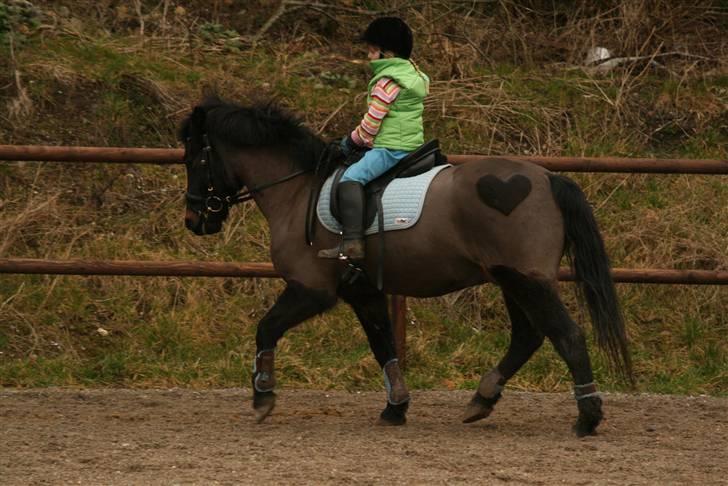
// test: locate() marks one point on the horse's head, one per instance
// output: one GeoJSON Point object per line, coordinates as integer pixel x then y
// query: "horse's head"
{"type": "Point", "coordinates": [208, 192]}
{"type": "Point", "coordinates": [230, 146]}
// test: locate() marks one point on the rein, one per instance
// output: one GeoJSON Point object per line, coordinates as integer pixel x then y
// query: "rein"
{"type": "Point", "coordinates": [214, 203]}
{"type": "Point", "coordinates": [323, 167]}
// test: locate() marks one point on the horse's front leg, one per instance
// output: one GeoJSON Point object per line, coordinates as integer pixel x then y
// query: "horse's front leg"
{"type": "Point", "coordinates": [370, 306]}
{"type": "Point", "coordinates": [296, 304]}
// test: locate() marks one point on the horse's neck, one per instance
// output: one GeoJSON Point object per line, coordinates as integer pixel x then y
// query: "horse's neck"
{"type": "Point", "coordinates": [279, 203]}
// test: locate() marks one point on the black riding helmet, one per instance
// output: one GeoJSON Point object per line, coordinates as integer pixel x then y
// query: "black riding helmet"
{"type": "Point", "coordinates": [390, 34]}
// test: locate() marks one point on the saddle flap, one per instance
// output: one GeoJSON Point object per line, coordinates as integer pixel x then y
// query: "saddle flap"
{"type": "Point", "coordinates": [334, 205]}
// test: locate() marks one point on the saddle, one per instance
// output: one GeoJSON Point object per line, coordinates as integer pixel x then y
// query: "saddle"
{"type": "Point", "coordinates": [418, 162]}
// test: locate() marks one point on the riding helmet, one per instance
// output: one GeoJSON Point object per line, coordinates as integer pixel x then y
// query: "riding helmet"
{"type": "Point", "coordinates": [390, 34]}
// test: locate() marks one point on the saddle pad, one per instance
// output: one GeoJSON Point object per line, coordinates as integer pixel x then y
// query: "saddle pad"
{"type": "Point", "coordinates": [402, 201]}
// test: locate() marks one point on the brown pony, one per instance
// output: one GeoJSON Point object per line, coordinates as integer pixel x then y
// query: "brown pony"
{"type": "Point", "coordinates": [502, 221]}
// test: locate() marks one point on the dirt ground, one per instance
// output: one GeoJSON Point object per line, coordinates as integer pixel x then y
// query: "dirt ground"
{"type": "Point", "coordinates": [113, 436]}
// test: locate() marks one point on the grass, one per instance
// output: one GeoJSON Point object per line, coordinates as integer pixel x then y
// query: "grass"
{"type": "Point", "coordinates": [118, 89]}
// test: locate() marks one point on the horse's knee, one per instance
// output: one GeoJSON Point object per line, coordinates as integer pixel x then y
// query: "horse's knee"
{"type": "Point", "coordinates": [296, 304]}
{"type": "Point", "coordinates": [307, 300]}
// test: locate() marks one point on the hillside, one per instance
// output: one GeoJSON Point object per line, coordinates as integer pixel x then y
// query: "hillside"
{"type": "Point", "coordinates": [508, 78]}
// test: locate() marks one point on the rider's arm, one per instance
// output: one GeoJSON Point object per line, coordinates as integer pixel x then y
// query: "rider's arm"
{"type": "Point", "coordinates": [383, 94]}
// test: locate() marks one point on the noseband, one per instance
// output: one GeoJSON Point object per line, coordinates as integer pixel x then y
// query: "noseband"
{"type": "Point", "coordinates": [213, 202]}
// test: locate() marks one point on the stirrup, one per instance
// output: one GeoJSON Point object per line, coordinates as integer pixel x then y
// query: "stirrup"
{"type": "Point", "coordinates": [351, 274]}
{"type": "Point", "coordinates": [353, 246]}
{"type": "Point", "coordinates": [341, 251]}
{"type": "Point", "coordinates": [335, 252]}
{"type": "Point", "coordinates": [332, 253]}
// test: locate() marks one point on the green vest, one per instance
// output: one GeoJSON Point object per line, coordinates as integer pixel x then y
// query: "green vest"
{"type": "Point", "coordinates": [402, 128]}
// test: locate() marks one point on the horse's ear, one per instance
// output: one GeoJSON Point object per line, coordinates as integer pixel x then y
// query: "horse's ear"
{"type": "Point", "coordinates": [191, 132]}
{"type": "Point", "coordinates": [198, 117]}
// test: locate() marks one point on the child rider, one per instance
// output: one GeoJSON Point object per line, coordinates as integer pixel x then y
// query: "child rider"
{"type": "Point", "coordinates": [391, 128]}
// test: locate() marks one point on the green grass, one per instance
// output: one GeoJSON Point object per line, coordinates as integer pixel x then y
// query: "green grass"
{"type": "Point", "coordinates": [212, 346]}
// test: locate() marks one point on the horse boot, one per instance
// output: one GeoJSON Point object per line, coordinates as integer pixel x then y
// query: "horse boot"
{"type": "Point", "coordinates": [264, 381]}
{"type": "Point", "coordinates": [398, 396]}
{"type": "Point", "coordinates": [350, 195]}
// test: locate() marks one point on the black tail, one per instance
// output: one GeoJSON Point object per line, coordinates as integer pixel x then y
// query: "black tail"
{"type": "Point", "coordinates": [584, 248]}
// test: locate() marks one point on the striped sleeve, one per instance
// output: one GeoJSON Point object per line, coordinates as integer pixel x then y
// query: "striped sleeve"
{"type": "Point", "coordinates": [383, 94]}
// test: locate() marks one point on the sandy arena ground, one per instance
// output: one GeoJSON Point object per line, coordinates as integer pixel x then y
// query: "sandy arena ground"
{"type": "Point", "coordinates": [112, 436]}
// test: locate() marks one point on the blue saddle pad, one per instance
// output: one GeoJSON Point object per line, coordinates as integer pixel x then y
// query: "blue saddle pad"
{"type": "Point", "coordinates": [402, 202]}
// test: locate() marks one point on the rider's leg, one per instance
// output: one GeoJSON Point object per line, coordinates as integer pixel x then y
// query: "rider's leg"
{"type": "Point", "coordinates": [374, 163]}
{"type": "Point", "coordinates": [351, 212]}
{"type": "Point", "coordinates": [351, 200]}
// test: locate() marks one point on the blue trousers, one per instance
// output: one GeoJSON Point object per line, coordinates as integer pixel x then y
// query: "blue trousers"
{"type": "Point", "coordinates": [375, 162]}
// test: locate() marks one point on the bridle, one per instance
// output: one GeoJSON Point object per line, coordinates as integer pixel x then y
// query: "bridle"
{"type": "Point", "coordinates": [213, 202]}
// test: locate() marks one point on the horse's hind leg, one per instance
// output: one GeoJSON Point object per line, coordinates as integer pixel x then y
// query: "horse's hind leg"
{"type": "Point", "coordinates": [525, 340]}
{"type": "Point", "coordinates": [544, 309]}
{"type": "Point", "coordinates": [370, 306]}
{"type": "Point", "coordinates": [296, 304]}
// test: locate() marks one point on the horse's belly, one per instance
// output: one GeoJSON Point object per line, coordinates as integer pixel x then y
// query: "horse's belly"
{"type": "Point", "coordinates": [422, 269]}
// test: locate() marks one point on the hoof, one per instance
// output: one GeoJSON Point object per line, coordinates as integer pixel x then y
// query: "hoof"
{"type": "Point", "coordinates": [474, 412]}
{"type": "Point", "coordinates": [584, 429]}
{"type": "Point", "coordinates": [394, 414]}
{"type": "Point", "coordinates": [590, 415]}
{"type": "Point", "coordinates": [479, 408]}
{"type": "Point", "coordinates": [263, 405]}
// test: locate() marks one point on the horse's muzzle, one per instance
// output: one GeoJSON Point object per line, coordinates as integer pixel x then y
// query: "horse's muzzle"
{"type": "Point", "coordinates": [196, 227]}
{"type": "Point", "coordinates": [199, 225]}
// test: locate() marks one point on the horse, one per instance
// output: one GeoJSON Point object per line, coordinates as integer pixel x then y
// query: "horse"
{"type": "Point", "coordinates": [502, 221]}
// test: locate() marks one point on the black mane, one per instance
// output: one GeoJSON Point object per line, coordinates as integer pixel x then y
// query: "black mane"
{"type": "Point", "coordinates": [257, 125]}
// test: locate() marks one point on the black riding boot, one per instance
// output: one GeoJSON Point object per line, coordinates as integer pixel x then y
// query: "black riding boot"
{"type": "Point", "coordinates": [351, 211]}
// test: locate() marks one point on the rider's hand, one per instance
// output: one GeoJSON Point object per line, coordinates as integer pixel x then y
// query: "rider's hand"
{"type": "Point", "coordinates": [348, 145]}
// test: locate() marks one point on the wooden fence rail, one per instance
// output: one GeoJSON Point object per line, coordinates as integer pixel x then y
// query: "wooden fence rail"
{"type": "Point", "coordinates": [266, 270]}
{"type": "Point", "coordinates": [137, 268]}
{"type": "Point", "coordinates": [120, 155]}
